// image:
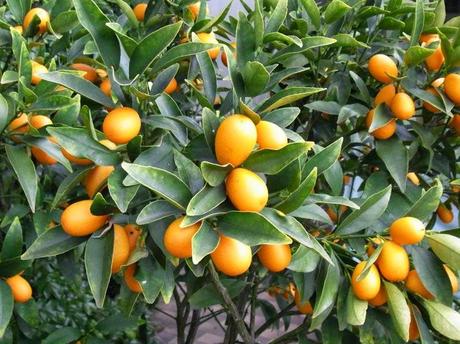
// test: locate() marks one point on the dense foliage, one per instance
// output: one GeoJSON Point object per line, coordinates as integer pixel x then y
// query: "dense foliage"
{"type": "Point", "coordinates": [291, 160]}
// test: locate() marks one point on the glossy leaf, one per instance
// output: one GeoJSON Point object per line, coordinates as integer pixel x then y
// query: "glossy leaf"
{"type": "Point", "coordinates": [206, 199]}
{"type": "Point", "coordinates": [287, 96]}
{"type": "Point", "coordinates": [7, 305]}
{"type": "Point", "coordinates": [447, 248]}
{"type": "Point", "coordinates": [121, 195]}
{"type": "Point", "coordinates": [399, 310]}
{"type": "Point", "coordinates": [444, 319]}
{"type": "Point", "coordinates": [298, 196]}
{"type": "Point", "coordinates": [204, 242]}
{"type": "Point", "coordinates": [396, 158]}
{"type": "Point", "coordinates": [12, 244]}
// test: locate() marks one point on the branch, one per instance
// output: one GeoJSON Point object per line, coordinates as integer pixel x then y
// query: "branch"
{"type": "Point", "coordinates": [231, 307]}
{"type": "Point", "coordinates": [290, 336]}
{"type": "Point", "coordinates": [271, 321]}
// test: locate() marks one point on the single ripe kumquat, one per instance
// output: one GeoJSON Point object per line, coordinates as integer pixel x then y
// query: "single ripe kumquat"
{"type": "Point", "coordinates": [393, 262]}
{"type": "Point", "coordinates": [453, 278]}
{"type": "Point", "coordinates": [246, 190]}
{"type": "Point", "coordinates": [369, 285]}
{"type": "Point", "coordinates": [89, 72]}
{"type": "Point", "coordinates": [20, 288]}
{"type": "Point", "coordinates": [77, 219]}
{"type": "Point", "coordinates": [41, 156]}
{"type": "Point", "coordinates": [381, 298]}
{"type": "Point", "coordinates": [427, 106]}
{"type": "Point", "coordinates": [131, 282]}
{"type": "Point", "coordinates": [445, 214]}
{"type": "Point", "coordinates": [171, 87]}
{"type": "Point", "coordinates": [415, 285]}
{"type": "Point", "coordinates": [139, 11]}
{"type": "Point", "coordinates": [303, 307]}
{"type": "Point", "coordinates": [236, 137]}
{"type": "Point", "coordinates": [270, 136]}
{"type": "Point", "coordinates": [384, 132]}
{"type": "Point", "coordinates": [452, 87]}
{"type": "Point", "coordinates": [121, 125]}
{"type": "Point", "coordinates": [382, 68]}
{"type": "Point", "coordinates": [435, 61]}
{"type": "Point", "coordinates": [106, 87]}
{"type": "Point", "coordinates": [40, 13]}
{"type": "Point", "coordinates": [412, 176]}
{"type": "Point", "coordinates": [402, 106]}
{"type": "Point", "coordinates": [39, 121]}
{"type": "Point", "coordinates": [231, 257]}
{"type": "Point", "coordinates": [407, 231]}
{"type": "Point", "coordinates": [455, 124]}
{"type": "Point", "coordinates": [177, 240]}
{"type": "Point", "coordinates": [133, 232]}
{"type": "Point", "coordinates": [274, 258]}
{"type": "Point", "coordinates": [96, 179]}
{"type": "Point", "coordinates": [385, 95]}
{"type": "Point", "coordinates": [37, 69]}
{"type": "Point", "coordinates": [121, 250]}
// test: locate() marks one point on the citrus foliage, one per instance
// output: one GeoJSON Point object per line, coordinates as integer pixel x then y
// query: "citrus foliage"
{"type": "Point", "coordinates": [312, 163]}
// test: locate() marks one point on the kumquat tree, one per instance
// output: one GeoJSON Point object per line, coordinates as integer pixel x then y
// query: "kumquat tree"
{"type": "Point", "coordinates": [294, 166]}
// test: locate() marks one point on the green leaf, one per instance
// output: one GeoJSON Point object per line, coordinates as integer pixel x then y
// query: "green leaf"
{"type": "Point", "coordinates": [298, 196]}
{"type": "Point", "coordinates": [150, 47]}
{"type": "Point", "coordinates": [427, 204]}
{"type": "Point", "coordinates": [208, 295]}
{"type": "Point", "coordinates": [447, 248]}
{"type": "Point", "coordinates": [179, 53]}
{"type": "Point", "coordinates": [282, 117]}
{"type": "Point", "coordinates": [25, 171]}
{"type": "Point", "coordinates": [129, 44]}
{"type": "Point", "coordinates": [4, 118]}
{"type": "Point", "coordinates": [79, 142]}
{"type": "Point", "coordinates": [313, 11]}
{"type": "Point", "coordinates": [63, 335]}
{"type": "Point", "coordinates": [399, 310]}
{"type": "Point", "coordinates": [98, 264]}
{"type": "Point", "coordinates": [355, 309]}
{"type": "Point", "coordinates": [304, 260]}
{"type": "Point", "coordinates": [206, 200]}
{"type": "Point", "coordinates": [151, 277]}
{"type": "Point", "coordinates": [255, 77]}
{"type": "Point", "coordinates": [277, 17]}
{"type": "Point", "coordinates": [416, 55]}
{"type": "Point", "coordinates": [396, 158]}
{"type": "Point", "coordinates": [163, 78]}
{"type": "Point", "coordinates": [372, 208]}
{"type": "Point", "coordinates": [363, 91]}
{"type": "Point", "coordinates": [214, 174]}
{"type": "Point", "coordinates": [347, 40]}
{"type": "Point", "coordinates": [12, 244]}
{"type": "Point", "coordinates": [18, 9]}
{"type": "Point", "coordinates": [273, 161]}
{"type": "Point", "coordinates": [121, 195]}
{"type": "Point", "coordinates": [245, 42]}
{"type": "Point", "coordinates": [443, 318]}
{"type": "Point", "coordinates": [312, 212]}
{"type": "Point", "coordinates": [128, 11]}
{"type": "Point", "coordinates": [323, 159]}
{"type": "Point", "coordinates": [210, 123]}
{"type": "Point", "coordinates": [116, 323]}
{"type": "Point", "coordinates": [335, 10]}
{"type": "Point", "coordinates": [6, 306]}
{"type": "Point", "coordinates": [208, 73]}
{"type": "Point", "coordinates": [204, 242]}
{"type": "Point", "coordinates": [79, 85]}
{"type": "Point", "coordinates": [216, 20]}
{"type": "Point", "coordinates": [65, 21]}
{"type": "Point", "coordinates": [94, 20]}
{"type": "Point", "coordinates": [67, 184]}
{"type": "Point", "coordinates": [251, 228]}
{"type": "Point", "coordinates": [162, 182]}
{"type": "Point", "coordinates": [419, 21]}
{"type": "Point", "coordinates": [281, 37]}
{"type": "Point", "coordinates": [52, 243]}
{"type": "Point", "coordinates": [287, 96]}
{"type": "Point", "coordinates": [327, 199]}
{"type": "Point", "coordinates": [188, 172]}
{"type": "Point", "coordinates": [432, 273]}
{"type": "Point", "coordinates": [326, 292]}
{"type": "Point", "coordinates": [382, 116]}
{"type": "Point", "coordinates": [307, 44]}
{"type": "Point", "coordinates": [370, 262]}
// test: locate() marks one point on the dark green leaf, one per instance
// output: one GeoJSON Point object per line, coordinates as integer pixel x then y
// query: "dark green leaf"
{"type": "Point", "coordinates": [396, 158]}
{"type": "Point", "coordinates": [12, 244]}
{"type": "Point", "coordinates": [204, 242]}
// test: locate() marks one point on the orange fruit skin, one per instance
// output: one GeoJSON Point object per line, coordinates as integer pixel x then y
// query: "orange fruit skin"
{"type": "Point", "coordinates": [96, 179]}
{"type": "Point", "coordinates": [413, 178]}
{"type": "Point", "coordinates": [428, 106]}
{"type": "Point", "coordinates": [270, 136]}
{"type": "Point", "coordinates": [235, 140]}
{"type": "Point", "coordinates": [445, 214]}
{"type": "Point", "coordinates": [415, 285]}
{"type": "Point", "coordinates": [39, 121]}
{"type": "Point", "coordinates": [41, 156]}
{"type": "Point", "coordinates": [195, 9]}
{"type": "Point", "coordinates": [382, 68]}
{"type": "Point", "coordinates": [19, 124]}
{"type": "Point", "coordinates": [205, 37]}
{"type": "Point", "coordinates": [452, 87]}
{"type": "Point", "coordinates": [304, 308]}
{"type": "Point", "coordinates": [108, 144]}
{"type": "Point", "coordinates": [40, 13]}
{"type": "Point", "coordinates": [428, 37]}
{"type": "Point", "coordinates": [177, 240]}
{"type": "Point", "coordinates": [368, 287]}
{"type": "Point", "coordinates": [275, 258]}
{"type": "Point", "coordinates": [380, 299]}
{"type": "Point", "coordinates": [402, 106]}
{"type": "Point", "coordinates": [37, 68]}
{"type": "Point", "coordinates": [106, 87]}
{"type": "Point", "coordinates": [453, 279]}
{"type": "Point", "coordinates": [231, 256]}
{"type": "Point", "coordinates": [121, 125]}
{"type": "Point", "coordinates": [370, 246]}
{"type": "Point", "coordinates": [131, 282]}
{"type": "Point", "coordinates": [171, 87]}
{"type": "Point", "coordinates": [332, 214]}
{"type": "Point", "coordinates": [19, 29]}
{"type": "Point", "coordinates": [120, 248]}
{"type": "Point", "coordinates": [455, 123]}
{"type": "Point", "coordinates": [223, 57]}
{"type": "Point", "coordinates": [21, 289]}
{"type": "Point", "coordinates": [75, 160]}
{"type": "Point", "coordinates": [90, 72]}
{"type": "Point", "coordinates": [133, 232]}
{"type": "Point", "coordinates": [393, 262]}
{"type": "Point", "coordinates": [413, 329]}
{"type": "Point", "coordinates": [139, 11]}
{"type": "Point", "coordinates": [382, 133]}
{"type": "Point", "coordinates": [385, 95]}
{"type": "Point", "coordinates": [438, 82]}
{"type": "Point", "coordinates": [407, 231]}
{"type": "Point", "coordinates": [77, 220]}
{"type": "Point", "coordinates": [246, 190]}
{"type": "Point", "coordinates": [435, 61]}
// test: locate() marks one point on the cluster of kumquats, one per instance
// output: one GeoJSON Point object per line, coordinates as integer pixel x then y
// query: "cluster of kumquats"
{"type": "Point", "coordinates": [402, 106]}
{"type": "Point", "coordinates": [393, 265]}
